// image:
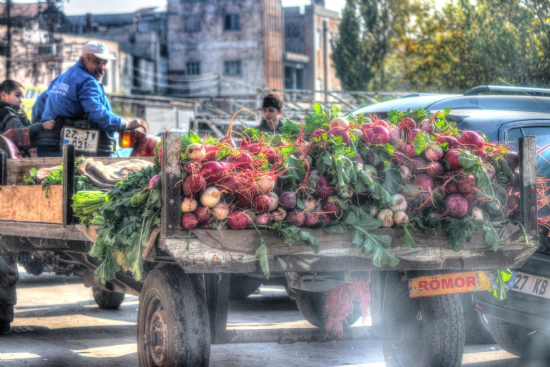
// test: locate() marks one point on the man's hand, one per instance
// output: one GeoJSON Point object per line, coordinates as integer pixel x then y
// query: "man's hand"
{"type": "Point", "coordinates": [136, 124]}
{"type": "Point", "coordinates": [48, 125]}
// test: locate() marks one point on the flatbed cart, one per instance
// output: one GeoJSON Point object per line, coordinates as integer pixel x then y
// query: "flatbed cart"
{"type": "Point", "coordinates": [415, 306]}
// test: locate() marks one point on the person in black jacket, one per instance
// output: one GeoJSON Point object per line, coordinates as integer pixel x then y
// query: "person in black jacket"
{"type": "Point", "coordinates": [12, 116]}
{"type": "Point", "coordinates": [272, 111]}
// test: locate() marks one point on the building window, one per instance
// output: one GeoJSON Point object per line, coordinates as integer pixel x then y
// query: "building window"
{"type": "Point", "coordinates": [192, 24]}
{"type": "Point", "coordinates": [232, 68]}
{"type": "Point", "coordinates": [231, 22]}
{"type": "Point", "coordinates": [193, 68]}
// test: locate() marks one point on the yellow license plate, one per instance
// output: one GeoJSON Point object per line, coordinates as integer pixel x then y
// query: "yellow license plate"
{"type": "Point", "coordinates": [452, 283]}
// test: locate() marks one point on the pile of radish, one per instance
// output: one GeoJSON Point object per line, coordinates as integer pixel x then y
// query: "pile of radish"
{"type": "Point", "coordinates": [413, 172]}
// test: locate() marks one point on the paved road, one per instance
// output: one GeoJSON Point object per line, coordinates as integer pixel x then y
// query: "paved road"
{"type": "Point", "coordinates": [58, 324]}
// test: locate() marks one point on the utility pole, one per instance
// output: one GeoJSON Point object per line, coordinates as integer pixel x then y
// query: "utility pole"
{"type": "Point", "coordinates": [8, 40]}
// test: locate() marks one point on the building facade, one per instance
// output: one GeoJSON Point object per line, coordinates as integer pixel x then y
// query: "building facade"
{"type": "Point", "coordinates": [308, 47]}
{"type": "Point", "coordinates": [224, 47]}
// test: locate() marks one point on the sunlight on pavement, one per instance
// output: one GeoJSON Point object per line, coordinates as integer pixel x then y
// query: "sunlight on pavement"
{"type": "Point", "coordinates": [66, 322]}
{"type": "Point", "coordinates": [5, 357]}
{"type": "Point", "coordinates": [112, 351]}
{"type": "Point", "coordinates": [496, 355]}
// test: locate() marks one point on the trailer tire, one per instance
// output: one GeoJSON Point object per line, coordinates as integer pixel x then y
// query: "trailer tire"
{"type": "Point", "coordinates": [520, 341]}
{"type": "Point", "coordinates": [173, 323]}
{"type": "Point", "coordinates": [425, 332]}
{"type": "Point", "coordinates": [312, 307]}
{"type": "Point", "coordinates": [107, 300]}
{"type": "Point", "coordinates": [475, 323]}
{"type": "Point", "coordinates": [242, 286]}
{"type": "Point", "coordinates": [8, 294]}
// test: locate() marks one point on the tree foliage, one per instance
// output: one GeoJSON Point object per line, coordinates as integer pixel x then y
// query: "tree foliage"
{"type": "Point", "coordinates": [473, 43]}
{"type": "Point", "coordinates": [365, 37]}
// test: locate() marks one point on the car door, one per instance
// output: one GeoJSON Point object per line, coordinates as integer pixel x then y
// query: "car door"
{"type": "Point", "coordinates": [511, 132]}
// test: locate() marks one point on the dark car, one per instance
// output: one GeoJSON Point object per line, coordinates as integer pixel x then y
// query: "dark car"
{"type": "Point", "coordinates": [519, 323]}
{"type": "Point", "coordinates": [503, 98]}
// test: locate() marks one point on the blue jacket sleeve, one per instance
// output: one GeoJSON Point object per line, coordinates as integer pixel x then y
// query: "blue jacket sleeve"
{"type": "Point", "coordinates": [38, 107]}
{"type": "Point", "coordinates": [91, 100]}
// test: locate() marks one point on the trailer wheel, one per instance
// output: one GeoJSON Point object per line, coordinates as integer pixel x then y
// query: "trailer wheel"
{"type": "Point", "coordinates": [518, 340]}
{"type": "Point", "coordinates": [107, 300]}
{"type": "Point", "coordinates": [475, 323]}
{"type": "Point", "coordinates": [242, 286]}
{"type": "Point", "coordinates": [173, 324]}
{"type": "Point", "coordinates": [8, 295]}
{"type": "Point", "coordinates": [312, 307]}
{"type": "Point", "coordinates": [425, 332]}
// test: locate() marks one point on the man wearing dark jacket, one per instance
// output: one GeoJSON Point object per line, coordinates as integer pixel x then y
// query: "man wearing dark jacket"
{"type": "Point", "coordinates": [78, 93]}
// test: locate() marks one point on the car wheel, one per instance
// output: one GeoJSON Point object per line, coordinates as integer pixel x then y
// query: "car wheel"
{"type": "Point", "coordinates": [521, 341]}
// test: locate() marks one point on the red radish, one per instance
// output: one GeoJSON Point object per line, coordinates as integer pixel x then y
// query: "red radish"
{"type": "Point", "coordinates": [189, 221]}
{"type": "Point", "coordinates": [410, 150]}
{"type": "Point", "coordinates": [339, 121]}
{"type": "Point", "coordinates": [324, 218]}
{"type": "Point", "coordinates": [452, 142]}
{"type": "Point", "coordinates": [452, 157]}
{"type": "Point", "coordinates": [159, 153]}
{"type": "Point", "coordinates": [359, 159]}
{"type": "Point", "coordinates": [221, 211]}
{"type": "Point", "coordinates": [272, 155]}
{"type": "Point", "coordinates": [266, 184]}
{"type": "Point", "coordinates": [395, 136]}
{"type": "Point", "coordinates": [471, 198]}
{"type": "Point", "coordinates": [241, 160]}
{"type": "Point", "coordinates": [324, 190]}
{"type": "Point", "coordinates": [242, 201]}
{"type": "Point", "coordinates": [318, 133]}
{"type": "Point", "coordinates": [287, 200]}
{"type": "Point", "coordinates": [399, 158]}
{"type": "Point", "coordinates": [435, 169]}
{"type": "Point", "coordinates": [279, 215]}
{"type": "Point", "coordinates": [188, 205]}
{"type": "Point", "coordinates": [471, 140]}
{"type": "Point", "coordinates": [434, 152]}
{"type": "Point", "coordinates": [382, 123]}
{"type": "Point", "coordinates": [192, 167]}
{"type": "Point", "coordinates": [406, 173]}
{"type": "Point", "coordinates": [312, 220]}
{"type": "Point", "coordinates": [274, 201]}
{"type": "Point", "coordinates": [195, 152]}
{"type": "Point", "coordinates": [400, 217]}
{"type": "Point", "coordinates": [237, 220]}
{"type": "Point", "coordinates": [424, 182]}
{"type": "Point", "coordinates": [211, 197]}
{"type": "Point", "coordinates": [407, 122]}
{"type": "Point", "coordinates": [370, 158]}
{"type": "Point", "coordinates": [264, 219]}
{"type": "Point", "coordinates": [253, 148]}
{"type": "Point", "coordinates": [203, 214]}
{"type": "Point", "coordinates": [296, 217]}
{"type": "Point", "coordinates": [378, 134]}
{"type": "Point", "coordinates": [457, 205]}
{"type": "Point", "coordinates": [414, 133]}
{"type": "Point", "coordinates": [261, 203]}
{"type": "Point", "coordinates": [340, 131]}
{"type": "Point", "coordinates": [332, 207]}
{"type": "Point", "coordinates": [386, 216]}
{"type": "Point", "coordinates": [426, 125]}
{"type": "Point", "coordinates": [400, 203]}
{"type": "Point", "coordinates": [193, 185]}
{"type": "Point", "coordinates": [228, 184]}
{"type": "Point", "coordinates": [466, 184]}
{"type": "Point", "coordinates": [419, 163]}
{"type": "Point", "coordinates": [153, 181]}
{"type": "Point", "coordinates": [215, 171]}
{"type": "Point", "coordinates": [211, 152]}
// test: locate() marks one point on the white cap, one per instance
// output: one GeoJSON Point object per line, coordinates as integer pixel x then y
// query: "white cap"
{"type": "Point", "coordinates": [97, 49]}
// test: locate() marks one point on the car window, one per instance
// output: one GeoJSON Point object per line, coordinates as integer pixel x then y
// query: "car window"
{"type": "Point", "coordinates": [541, 132]}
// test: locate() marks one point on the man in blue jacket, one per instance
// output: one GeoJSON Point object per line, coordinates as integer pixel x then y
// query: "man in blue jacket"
{"type": "Point", "coordinates": [78, 94]}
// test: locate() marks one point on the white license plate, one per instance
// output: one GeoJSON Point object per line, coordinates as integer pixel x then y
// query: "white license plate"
{"type": "Point", "coordinates": [531, 284]}
{"type": "Point", "coordinates": [83, 140]}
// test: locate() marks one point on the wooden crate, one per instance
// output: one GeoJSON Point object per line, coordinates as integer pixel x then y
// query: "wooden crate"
{"type": "Point", "coordinates": [29, 204]}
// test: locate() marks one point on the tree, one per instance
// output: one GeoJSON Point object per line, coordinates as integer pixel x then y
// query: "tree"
{"type": "Point", "coordinates": [365, 34]}
{"type": "Point", "coordinates": [466, 44]}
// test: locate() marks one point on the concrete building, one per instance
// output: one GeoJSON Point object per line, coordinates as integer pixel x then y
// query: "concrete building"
{"type": "Point", "coordinates": [142, 35]}
{"type": "Point", "coordinates": [308, 49]}
{"type": "Point", "coordinates": [224, 47]}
